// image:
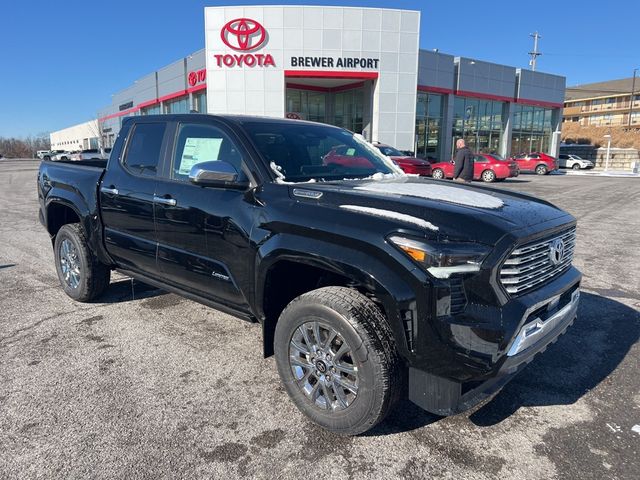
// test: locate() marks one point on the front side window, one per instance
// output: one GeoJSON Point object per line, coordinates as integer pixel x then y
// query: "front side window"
{"type": "Point", "coordinates": [143, 150]}
{"type": "Point", "coordinates": [305, 152]}
{"type": "Point", "coordinates": [199, 143]}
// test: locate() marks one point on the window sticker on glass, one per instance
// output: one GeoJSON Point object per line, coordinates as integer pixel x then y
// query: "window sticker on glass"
{"type": "Point", "coordinates": [351, 152]}
{"type": "Point", "coordinates": [198, 150]}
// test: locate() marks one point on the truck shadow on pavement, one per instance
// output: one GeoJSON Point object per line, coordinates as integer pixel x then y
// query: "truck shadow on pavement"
{"type": "Point", "coordinates": [127, 290]}
{"type": "Point", "coordinates": [579, 361]}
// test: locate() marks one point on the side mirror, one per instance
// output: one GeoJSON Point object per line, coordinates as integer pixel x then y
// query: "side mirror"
{"type": "Point", "coordinates": [216, 174]}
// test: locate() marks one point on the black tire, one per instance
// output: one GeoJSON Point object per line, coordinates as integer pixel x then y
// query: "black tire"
{"type": "Point", "coordinates": [575, 166]}
{"type": "Point", "coordinates": [361, 324]}
{"type": "Point", "coordinates": [488, 176]}
{"type": "Point", "coordinates": [542, 170]}
{"type": "Point", "coordinates": [94, 276]}
{"type": "Point", "coordinates": [46, 157]}
{"type": "Point", "coordinates": [438, 174]}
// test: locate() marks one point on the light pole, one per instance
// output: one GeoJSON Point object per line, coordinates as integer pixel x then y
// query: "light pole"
{"type": "Point", "coordinates": [633, 91]}
{"type": "Point", "coordinates": [606, 164]}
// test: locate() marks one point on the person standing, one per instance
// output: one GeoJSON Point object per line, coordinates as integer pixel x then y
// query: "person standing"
{"type": "Point", "coordinates": [463, 170]}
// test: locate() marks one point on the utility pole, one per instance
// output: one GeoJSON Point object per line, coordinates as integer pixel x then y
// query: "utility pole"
{"type": "Point", "coordinates": [633, 92]}
{"type": "Point", "coordinates": [535, 54]}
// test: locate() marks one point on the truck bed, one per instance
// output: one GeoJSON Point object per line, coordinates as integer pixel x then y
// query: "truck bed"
{"type": "Point", "coordinates": [102, 164]}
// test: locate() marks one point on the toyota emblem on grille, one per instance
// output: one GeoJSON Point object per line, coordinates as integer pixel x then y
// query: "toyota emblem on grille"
{"type": "Point", "coordinates": [243, 34]}
{"type": "Point", "coordinates": [556, 251]}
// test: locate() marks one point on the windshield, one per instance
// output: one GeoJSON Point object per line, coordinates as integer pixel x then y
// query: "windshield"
{"type": "Point", "coordinates": [497, 156]}
{"type": "Point", "coordinates": [390, 151]}
{"type": "Point", "coordinates": [301, 152]}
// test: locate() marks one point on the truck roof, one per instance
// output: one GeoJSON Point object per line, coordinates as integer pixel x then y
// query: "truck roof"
{"type": "Point", "coordinates": [235, 118]}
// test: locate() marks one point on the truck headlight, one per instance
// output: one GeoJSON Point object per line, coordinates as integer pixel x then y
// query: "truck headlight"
{"type": "Point", "coordinates": [442, 259]}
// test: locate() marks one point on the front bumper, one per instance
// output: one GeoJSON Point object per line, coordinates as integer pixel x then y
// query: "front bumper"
{"type": "Point", "coordinates": [541, 324]}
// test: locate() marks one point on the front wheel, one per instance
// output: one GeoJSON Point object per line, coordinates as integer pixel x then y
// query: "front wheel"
{"type": "Point", "coordinates": [438, 174]}
{"type": "Point", "coordinates": [82, 276]}
{"type": "Point", "coordinates": [337, 359]}
{"type": "Point", "coordinates": [488, 176]}
{"type": "Point", "coordinates": [576, 166]}
{"type": "Point", "coordinates": [542, 170]}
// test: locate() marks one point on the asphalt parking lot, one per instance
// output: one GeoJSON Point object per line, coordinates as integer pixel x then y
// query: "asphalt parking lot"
{"type": "Point", "coordinates": [149, 385]}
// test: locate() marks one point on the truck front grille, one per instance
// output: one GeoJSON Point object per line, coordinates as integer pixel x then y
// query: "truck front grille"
{"type": "Point", "coordinates": [532, 265]}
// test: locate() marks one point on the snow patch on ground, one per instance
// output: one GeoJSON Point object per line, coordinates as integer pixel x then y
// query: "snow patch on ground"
{"type": "Point", "coordinates": [636, 428]}
{"type": "Point", "coordinates": [392, 215]}
{"type": "Point", "coordinates": [436, 192]}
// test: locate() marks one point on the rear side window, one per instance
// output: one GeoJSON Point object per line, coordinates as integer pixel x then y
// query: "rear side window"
{"type": "Point", "coordinates": [143, 150]}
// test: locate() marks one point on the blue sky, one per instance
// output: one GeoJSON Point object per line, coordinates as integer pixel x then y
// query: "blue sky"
{"type": "Point", "coordinates": [62, 60]}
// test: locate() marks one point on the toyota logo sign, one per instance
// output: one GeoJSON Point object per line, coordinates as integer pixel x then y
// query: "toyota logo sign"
{"type": "Point", "coordinates": [556, 251]}
{"type": "Point", "coordinates": [243, 34]}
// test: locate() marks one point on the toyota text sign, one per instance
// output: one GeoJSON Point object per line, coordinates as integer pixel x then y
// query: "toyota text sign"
{"type": "Point", "coordinates": [244, 35]}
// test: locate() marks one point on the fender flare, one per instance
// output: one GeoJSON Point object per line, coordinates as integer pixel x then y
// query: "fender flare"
{"type": "Point", "coordinates": [367, 271]}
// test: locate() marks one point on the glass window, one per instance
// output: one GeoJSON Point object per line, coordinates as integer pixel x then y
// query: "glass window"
{"type": "Point", "coordinates": [305, 152]}
{"type": "Point", "coordinates": [390, 151]}
{"type": "Point", "coordinates": [143, 149]}
{"type": "Point", "coordinates": [150, 110]}
{"type": "Point", "coordinates": [428, 125]}
{"type": "Point", "coordinates": [180, 105]}
{"type": "Point", "coordinates": [481, 123]}
{"type": "Point", "coordinates": [200, 102]}
{"type": "Point", "coordinates": [203, 143]}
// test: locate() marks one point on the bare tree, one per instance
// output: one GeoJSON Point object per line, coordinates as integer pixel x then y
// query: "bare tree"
{"type": "Point", "coordinates": [96, 128]}
{"type": "Point", "coordinates": [26, 147]}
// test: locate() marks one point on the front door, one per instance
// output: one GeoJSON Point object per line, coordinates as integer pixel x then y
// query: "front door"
{"type": "Point", "coordinates": [203, 232]}
{"type": "Point", "coordinates": [127, 198]}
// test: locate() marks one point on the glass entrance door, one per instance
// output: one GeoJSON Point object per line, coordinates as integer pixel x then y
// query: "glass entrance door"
{"type": "Point", "coordinates": [340, 108]}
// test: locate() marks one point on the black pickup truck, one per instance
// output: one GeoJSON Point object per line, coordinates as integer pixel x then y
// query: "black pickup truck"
{"type": "Point", "coordinates": [369, 284]}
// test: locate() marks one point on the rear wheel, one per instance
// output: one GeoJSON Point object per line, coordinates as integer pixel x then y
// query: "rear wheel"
{"type": "Point", "coordinates": [46, 157]}
{"type": "Point", "coordinates": [438, 174]}
{"type": "Point", "coordinates": [542, 170]}
{"type": "Point", "coordinates": [337, 359]}
{"type": "Point", "coordinates": [488, 176]}
{"type": "Point", "coordinates": [576, 166]}
{"type": "Point", "coordinates": [82, 276]}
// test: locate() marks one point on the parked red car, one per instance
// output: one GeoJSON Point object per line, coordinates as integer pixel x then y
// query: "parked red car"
{"type": "Point", "coordinates": [487, 167]}
{"type": "Point", "coordinates": [346, 157]}
{"type": "Point", "coordinates": [405, 162]}
{"type": "Point", "coordinates": [537, 162]}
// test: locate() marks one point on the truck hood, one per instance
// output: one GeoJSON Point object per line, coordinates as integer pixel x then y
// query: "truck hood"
{"type": "Point", "coordinates": [437, 207]}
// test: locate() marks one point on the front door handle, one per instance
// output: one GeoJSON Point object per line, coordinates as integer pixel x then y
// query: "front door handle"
{"type": "Point", "coordinates": [110, 190]}
{"type": "Point", "coordinates": [165, 201]}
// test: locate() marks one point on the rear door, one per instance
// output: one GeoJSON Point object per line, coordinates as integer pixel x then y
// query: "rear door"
{"type": "Point", "coordinates": [479, 166]}
{"type": "Point", "coordinates": [203, 232]}
{"type": "Point", "coordinates": [127, 197]}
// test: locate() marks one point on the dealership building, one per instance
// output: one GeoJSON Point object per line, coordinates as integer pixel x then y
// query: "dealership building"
{"type": "Point", "coordinates": [357, 68]}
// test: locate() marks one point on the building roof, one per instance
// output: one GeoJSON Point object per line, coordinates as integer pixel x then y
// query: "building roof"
{"type": "Point", "coordinates": [602, 89]}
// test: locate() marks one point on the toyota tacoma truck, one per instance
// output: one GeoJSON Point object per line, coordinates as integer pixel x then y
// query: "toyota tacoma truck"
{"type": "Point", "coordinates": [369, 285]}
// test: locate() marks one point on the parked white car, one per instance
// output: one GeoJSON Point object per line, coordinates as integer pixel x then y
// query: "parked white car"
{"type": "Point", "coordinates": [574, 162]}
{"type": "Point", "coordinates": [56, 155]}
{"type": "Point", "coordinates": [91, 154]}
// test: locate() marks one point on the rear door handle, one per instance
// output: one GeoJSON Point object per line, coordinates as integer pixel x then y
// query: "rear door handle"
{"type": "Point", "coordinates": [110, 190]}
{"type": "Point", "coordinates": [165, 201]}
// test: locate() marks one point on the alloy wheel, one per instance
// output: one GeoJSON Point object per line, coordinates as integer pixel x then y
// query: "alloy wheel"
{"type": "Point", "coordinates": [323, 366]}
{"type": "Point", "coordinates": [488, 176]}
{"type": "Point", "coordinates": [69, 263]}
